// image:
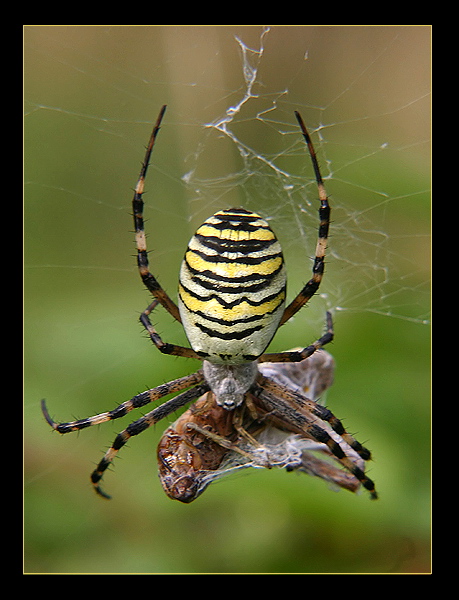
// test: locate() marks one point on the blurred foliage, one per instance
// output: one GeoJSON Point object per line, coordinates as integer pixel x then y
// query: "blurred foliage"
{"type": "Point", "coordinates": [85, 351]}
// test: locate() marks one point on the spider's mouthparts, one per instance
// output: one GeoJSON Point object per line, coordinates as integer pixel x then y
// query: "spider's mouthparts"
{"type": "Point", "coordinates": [230, 383]}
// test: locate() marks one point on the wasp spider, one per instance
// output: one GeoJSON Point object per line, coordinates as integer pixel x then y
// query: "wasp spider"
{"type": "Point", "coordinates": [231, 301]}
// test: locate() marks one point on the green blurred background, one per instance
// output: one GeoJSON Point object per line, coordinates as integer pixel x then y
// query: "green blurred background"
{"type": "Point", "coordinates": [91, 96]}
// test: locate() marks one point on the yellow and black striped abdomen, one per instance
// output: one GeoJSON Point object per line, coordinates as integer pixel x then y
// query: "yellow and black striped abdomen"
{"type": "Point", "coordinates": [232, 287]}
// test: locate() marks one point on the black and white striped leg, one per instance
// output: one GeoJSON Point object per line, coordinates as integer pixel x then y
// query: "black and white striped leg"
{"type": "Point", "coordinates": [123, 409]}
{"type": "Point", "coordinates": [304, 425]}
{"type": "Point", "coordinates": [296, 399]}
{"type": "Point", "coordinates": [149, 280]}
{"type": "Point", "coordinates": [312, 285]}
{"type": "Point", "coordinates": [164, 347]}
{"type": "Point", "coordinates": [139, 426]}
{"type": "Point", "coordinates": [299, 355]}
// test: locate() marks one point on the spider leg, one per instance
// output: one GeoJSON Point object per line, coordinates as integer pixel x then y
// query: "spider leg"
{"type": "Point", "coordinates": [140, 425]}
{"type": "Point", "coordinates": [120, 411]}
{"type": "Point", "coordinates": [299, 355]}
{"type": "Point", "coordinates": [149, 280]}
{"type": "Point", "coordinates": [312, 285]}
{"type": "Point", "coordinates": [164, 347]}
{"type": "Point", "coordinates": [303, 424]}
{"type": "Point", "coordinates": [280, 391]}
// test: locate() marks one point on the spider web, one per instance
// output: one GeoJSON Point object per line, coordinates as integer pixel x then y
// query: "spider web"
{"type": "Point", "coordinates": [366, 258]}
{"type": "Point", "coordinates": [231, 93]}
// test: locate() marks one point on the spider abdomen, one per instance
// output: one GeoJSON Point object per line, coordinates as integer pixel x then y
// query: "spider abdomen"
{"type": "Point", "coordinates": [232, 287]}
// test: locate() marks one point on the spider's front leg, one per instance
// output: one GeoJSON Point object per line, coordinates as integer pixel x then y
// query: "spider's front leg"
{"type": "Point", "coordinates": [307, 423]}
{"type": "Point", "coordinates": [293, 398]}
{"type": "Point", "coordinates": [196, 380]}
{"type": "Point", "coordinates": [141, 425]}
{"type": "Point", "coordinates": [137, 401]}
